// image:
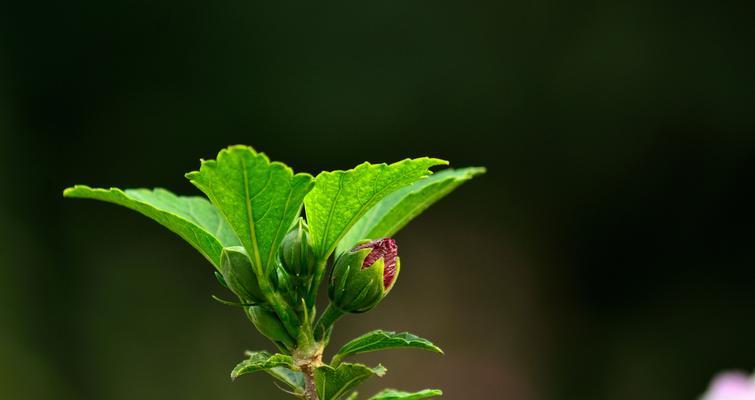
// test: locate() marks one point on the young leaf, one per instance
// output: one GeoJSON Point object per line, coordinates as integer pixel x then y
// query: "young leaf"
{"type": "Point", "coordinates": [391, 394]}
{"type": "Point", "coordinates": [396, 210]}
{"type": "Point", "coordinates": [292, 379]}
{"type": "Point", "coordinates": [382, 340]}
{"type": "Point", "coordinates": [353, 396]}
{"type": "Point", "coordinates": [333, 383]}
{"type": "Point", "coordinates": [258, 198]}
{"type": "Point", "coordinates": [340, 198]}
{"type": "Point", "coordinates": [193, 218]}
{"type": "Point", "coordinates": [284, 373]}
{"type": "Point", "coordinates": [261, 361]}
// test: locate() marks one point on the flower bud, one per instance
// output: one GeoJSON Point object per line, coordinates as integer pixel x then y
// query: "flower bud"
{"type": "Point", "coordinates": [296, 254]}
{"type": "Point", "coordinates": [238, 274]}
{"type": "Point", "coordinates": [364, 275]}
{"type": "Point", "coordinates": [268, 323]}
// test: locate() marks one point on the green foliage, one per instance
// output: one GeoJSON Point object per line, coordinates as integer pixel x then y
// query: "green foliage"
{"type": "Point", "coordinates": [392, 213]}
{"type": "Point", "coordinates": [340, 198]}
{"type": "Point", "coordinates": [259, 199]}
{"type": "Point", "coordinates": [391, 394]}
{"type": "Point", "coordinates": [333, 383]}
{"type": "Point", "coordinates": [192, 218]}
{"type": "Point", "coordinates": [261, 361]}
{"type": "Point", "coordinates": [293, 379]}
{"type": "Point", "coordinates": [252, 232]}
{"type": "Point", "coordinates": [383, 340]}
{"type": "Point", "coordinates": [279, 366]}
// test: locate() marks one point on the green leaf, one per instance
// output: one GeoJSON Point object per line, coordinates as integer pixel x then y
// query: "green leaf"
{"type": "Point", "coordinates": [391, 394]}
{"type": "Point", "coordinates": [340, 198]}
{"type": "Point", "coordinates": [293, 379]}
{"type": "Point", "coordinates": [396, 210]}
{"type": "Point", "coordinates": [353, 396]}
{"type": "Point", "coordinates": [278, 366]}
{"type": "Point", "coordinates": [333, 383]}
{"type": "Point", "coordinates": [261, 361]}
{"type": "Point", "coordinates": [259, 199]}
{"type": "Point", "coordinates": [193, 218]}
{"type": "Point", "coordinates": [382, 340]}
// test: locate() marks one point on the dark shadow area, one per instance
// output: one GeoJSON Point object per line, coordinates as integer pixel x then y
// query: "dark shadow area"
{"type": "Point", "coordinates": [607, 254]}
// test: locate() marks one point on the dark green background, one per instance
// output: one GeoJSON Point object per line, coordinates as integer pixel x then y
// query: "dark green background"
{"type": "Point", "coordinates": [607, 254]}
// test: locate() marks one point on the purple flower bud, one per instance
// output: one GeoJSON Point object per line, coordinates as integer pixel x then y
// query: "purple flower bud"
{"type": "Point", "coordinates": [363, 276]}
{"type": "Point", "coordinates": [387, 250]}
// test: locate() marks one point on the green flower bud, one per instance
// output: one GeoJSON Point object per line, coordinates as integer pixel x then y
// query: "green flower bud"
{"type": "Point", "coordinates": [238, 275]}
{"type": "Point", "coordinates": [364, 275]}
{"type": "Point", "coordinates": [268, 323]}
{"type": "Point", "coordinates": [296, 254]}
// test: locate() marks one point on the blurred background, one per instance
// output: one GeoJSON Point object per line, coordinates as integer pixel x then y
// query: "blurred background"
{"type": "Point", "coordinates": [607, 254]}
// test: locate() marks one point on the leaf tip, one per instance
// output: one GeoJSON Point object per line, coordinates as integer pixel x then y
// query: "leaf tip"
{"type": "Point", "coordinates": [74, 191]}
{"type": "Point", "coordinates": [474, 171]}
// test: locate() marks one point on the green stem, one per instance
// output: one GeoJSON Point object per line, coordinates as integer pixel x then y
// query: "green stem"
{"type": "Point", "coordinates": [314, 286]}
{"type": "Point", "coordinates": [328, 318]}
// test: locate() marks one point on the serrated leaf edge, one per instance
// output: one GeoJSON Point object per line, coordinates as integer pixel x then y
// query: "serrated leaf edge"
{"type": "Point", "coordinates": [283, 361]}
{"type": "Point", "coordinates": [388, 335]}
{"type": "Point", "coordinates": [227, 152]}
{"type": "Point", "coordinates": [324, 253]}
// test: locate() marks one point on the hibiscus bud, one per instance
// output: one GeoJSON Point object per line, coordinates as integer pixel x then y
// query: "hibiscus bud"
{"type": "Point", "coordinates": [296, 254]}
{"type": "Point", "coordinates": [238, 275]}
{"type": "Point", "coordinates": [364, 275]}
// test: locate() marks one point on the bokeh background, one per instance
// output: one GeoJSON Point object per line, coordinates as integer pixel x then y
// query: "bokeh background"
{"type": "Point", "coordinates": [607, 254]}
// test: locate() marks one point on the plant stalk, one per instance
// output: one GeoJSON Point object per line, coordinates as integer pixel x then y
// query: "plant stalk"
{"type": "Point", "coordinates": [326, 321]}
{"type": "Point", "coordinates": [314, 286]}
{"type": "Point", "coordinates": [308, 357]}
{"type": "Point", "coordinates": [310, 387]}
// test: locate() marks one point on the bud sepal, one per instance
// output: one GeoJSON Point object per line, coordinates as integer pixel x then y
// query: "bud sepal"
{"type": "Point", "coordinates": [238, 275]}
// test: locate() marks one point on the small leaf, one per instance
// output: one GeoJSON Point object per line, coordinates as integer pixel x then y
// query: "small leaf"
{"type": "Point", "coordinates": [193, 218]}
{"type": "Point", "coordinates": [340, 198]}
{"type": "Point", "coordinates": [259, 199]}
{"type": "Point", "coordinates": [382, 340]}
{"type": "Point", "coordinates": [333, 383]}
{"type": "Point", "coordinates": [392, 213]}
{"type": "Point", "coordinates": [391, 394]}
{"type": "Point", "coordinates": [353, 396]}
{"type": "Point", "coordinates": [293, 379]}
{"type": "Point", "coordinates": [261, 361]}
